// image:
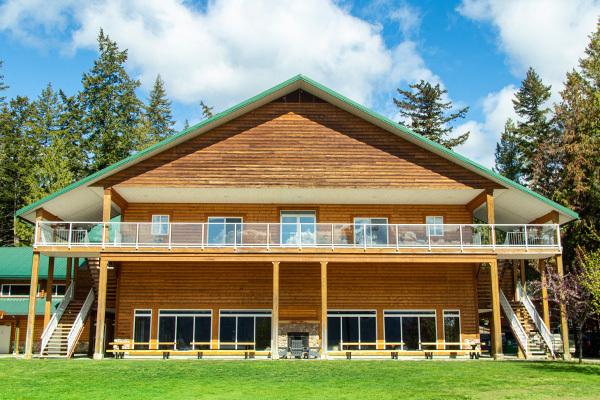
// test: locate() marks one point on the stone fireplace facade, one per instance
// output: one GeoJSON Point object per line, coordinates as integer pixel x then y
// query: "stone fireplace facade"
{"type": "Point", "coordinates": [311, 329]}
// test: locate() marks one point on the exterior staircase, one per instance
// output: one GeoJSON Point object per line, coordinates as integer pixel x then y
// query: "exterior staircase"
{"type": "Point", "coordinates": [57, 346]}
{"type": "Point", "coordinates": [536, 347]}
{"type": "Point", "coordinates": [93, 267]}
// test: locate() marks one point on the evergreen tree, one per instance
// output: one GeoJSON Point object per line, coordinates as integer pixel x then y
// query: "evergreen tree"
{"type": "Point", "coordinates": [507, 151]}
{"type": "Point", "coordinates": [158, 116]}
{"type": "Point", "coordinates": [71, 125]}
{"type": "Point", "coordinates": [207, 111]}
{"type": "Point", "coordinates": [186, 124]}
{"type": "Point", "coordinates": [428, 115]}
{"type": "Point", "coordinates": [112, 109]}
{"type": "Point", "coordinates": [3, 87]}
{"type": "Point", "coordinates": [16, 146]}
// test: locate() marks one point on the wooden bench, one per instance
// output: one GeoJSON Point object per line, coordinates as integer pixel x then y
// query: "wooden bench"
{"type": "Point", "coordinates": [473, 350]}
{"type": "Point", "coordinates": [375, 352]}
{"type": "Point", "coordinates": [119, 352]}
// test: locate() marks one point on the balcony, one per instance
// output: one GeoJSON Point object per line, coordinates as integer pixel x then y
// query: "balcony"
{"type": "Point", "coordinates": [260, 237]}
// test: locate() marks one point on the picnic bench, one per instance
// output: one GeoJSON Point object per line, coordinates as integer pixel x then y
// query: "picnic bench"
{"type": "Point", "coordinates": [119, 350]}
{"type": "Point", "coordinates": [473, 349]}
{"type": "Point", "coordinates": [393, 353]}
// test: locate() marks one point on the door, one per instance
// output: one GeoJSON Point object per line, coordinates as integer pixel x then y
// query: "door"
{"type": "Point", "coordinates": [5, 339]}
{"type": "Point", "coordinates": [298, 227]}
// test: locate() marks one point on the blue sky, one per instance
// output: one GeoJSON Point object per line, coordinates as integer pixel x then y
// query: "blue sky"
{"type": "Point", "coordinates": [224, 51]}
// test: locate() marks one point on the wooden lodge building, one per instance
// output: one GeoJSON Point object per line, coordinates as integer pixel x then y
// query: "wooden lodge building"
{"type": "Point", "coordinates": [298, 215]}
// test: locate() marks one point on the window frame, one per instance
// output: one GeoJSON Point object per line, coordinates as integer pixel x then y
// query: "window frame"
{"type": "Point", "coordinates": [435, 229]}
{"type": "Point", "coordinates": [369, 234]}
{"type": "Point", "coordinates": [55, 289]}
{"type": "Point", "coordinates": [410, 313]}
{"type": "Point", "coordinates": [237, 313]}
{"type": "Point", "coordinates": [17, 284]}
{"type": "Point", "coordinates": [237, 230]}
{"type": "Point", "coordinates": [349, 313]}
{"type": "Point", "coordinates": [444, 316]}
{"type": "Point", "coordinates": [156, 229]}
{"type": "Point", "coordinates": [173, 312]}
{"type": "Point", "coordinates": [149, 314]}
{"type": "Point", "coordinates": [298, 233]}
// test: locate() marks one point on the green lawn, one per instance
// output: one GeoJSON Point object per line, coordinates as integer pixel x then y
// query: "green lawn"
{"type": "Point", "coordinates": [284, 379]}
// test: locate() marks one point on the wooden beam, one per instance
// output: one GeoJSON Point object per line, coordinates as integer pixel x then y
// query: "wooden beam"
{"type": "Point", "coordinates": [564, 329]}
{"type": "Point", "coordinates": [68, 275]}
{"type": "Point", "coordinates": [49, 282]}
{"type": "Point", "coordinates": [275, 325]}
{"type": "Point", "coordinates": [100, 318]}
{"type": "Point", "coordinates": [35, 270]}
{"type": "Point", "coordinates": [545, 308]}
{"type": "Point", "coordinates": [552, 216]}
{"type": "Point", "coordinates": [477, 201]}
{"type": "Point", "coordinates": [118, 199]}
{"type": "Point", "coordinates": [489, 195]}
{"type": "Point", "coordinates": [324, 309]}
{"type": "Point", "coordinates": [106, 207]}
{"type": "Point", "coordinates": [46, 215]}
{"type": "Point", "coordinates": [496, 344]}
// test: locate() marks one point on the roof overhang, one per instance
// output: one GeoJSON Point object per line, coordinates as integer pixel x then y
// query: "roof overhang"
{"type": "Point", "coordinates": [83, 202]}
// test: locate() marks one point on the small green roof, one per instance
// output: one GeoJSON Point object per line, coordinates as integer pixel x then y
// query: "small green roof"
{"type": "Point", "coordinates": [20, 305]}
{"type": "Point", "coordinates": [15, 263]}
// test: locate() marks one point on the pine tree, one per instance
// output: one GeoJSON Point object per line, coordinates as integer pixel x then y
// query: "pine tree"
{"type": "Point", "coordinates": [3, 87]}
{"type": "Point", "coordinates": [534, 128]}
{"type": "Point", "coordinates": [111, 106]}
{"type": "Point", "coordinates": [507, 151]}
{"type": "Point", "coordinates": [158, 116]}
{"type": "Point", "coordinates": [71, 125]}
{"type": "Point", "coordinates": [428, 115]}
{"type": "Point", "coordinates": [207, 111]}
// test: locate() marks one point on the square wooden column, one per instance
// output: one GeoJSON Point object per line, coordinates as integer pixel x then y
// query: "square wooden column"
{"type": "Point", "coordinates": [324, 309]}
{"type": "Point", "coordinates": [275, 325]}
{"type": "Point", "coordinates": [49, 282]}
{"type": "Point", "coordinates": [545, 307]}
{"type": "Point", "coordinates": [515, 269]}
{"type": "Point", "coordinates": [496, 344]}
{"type": "Point", "coordinates": [523, 278]}
{"type": "Point", "coordinates": [100, 318]}
{"type": "Point", "coordinates": [564, 329]}
{"type": "Point", "coordinates": [75, 274]}
{"type": "Point", "coordinates": [35, 270]}
{"type": "Point", "coordinates": [68, 276]}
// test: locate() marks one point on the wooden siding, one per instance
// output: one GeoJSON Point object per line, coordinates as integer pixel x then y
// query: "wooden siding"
{"type": "Point", "coordinates": [298, 145]}
{"type": "Point", "coordinates": [249, 286]}
{"type": "Point", "coordinates": [263, 213]}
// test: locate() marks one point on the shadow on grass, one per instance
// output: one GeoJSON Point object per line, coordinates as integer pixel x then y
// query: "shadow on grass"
{"type": "Point", "coordinates": [562, 367]}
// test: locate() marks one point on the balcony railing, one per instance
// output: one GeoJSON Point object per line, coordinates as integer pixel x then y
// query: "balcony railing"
{"type": "Point", "coordinates": [296, 235]}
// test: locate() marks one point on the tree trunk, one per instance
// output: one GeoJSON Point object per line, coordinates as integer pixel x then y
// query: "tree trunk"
{"type": "Point", "coordinates": [579, 329]}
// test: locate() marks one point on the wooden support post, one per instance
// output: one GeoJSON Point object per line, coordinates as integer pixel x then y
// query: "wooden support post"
{"type": "Point", "coordinates": [490, 207]}
{"type": "Point", "coordinates": [100, 318]}
{"type": "Point", "coordinates": [106, 213]}
{"type": "Point", "coordinates": [35, 270]}
{"type": "Point", "coordinates": [275, 326]}
{"type": "Point", "coordinates": [523, 280]}
{"type": "Point", "coordinates": [49, 282]}
{"type": "Point", "coordinates": [515, 269]}
{"type": "Point", "coordinates": [75, 274]}
{"type": "Point", "coordinates": [16, 349]}
{"type": "Point", "coordinates": [68, 276]}
{"type": "Point", "coordinates": [324, 309]}
{"type": "Point", "coordinates": [496, 344]}
{"type": "Point", "coordinates": [564, 328]}
{"type": "Point", "coordinates": [545, 307]}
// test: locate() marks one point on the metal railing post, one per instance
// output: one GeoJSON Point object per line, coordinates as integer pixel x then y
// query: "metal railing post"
{"type": "Point", "coordinates": [332, 247]}
{"type": "Point", "coordinates": [170, 236]}
{"type": "Point", "coordinates": [397, 239]}
{"type": "Point", "coordinates": [526, 239]}
{"type": "Point", "coordinates": [70, 233]}
{"type": "Point", "coordinates": [461, 237]}
{"type": "Point", "coordinates": [365, 236]}
{"type": "Point", "coordinates": [268, 236]}
{"type": "Point", "coordinates": [202, 238]}
{"type": "Point", "coordinates": [137, 235]}
{"type": "Point", "coordinates": [493, 228]}
{"type": "Point", "coordinates": [557, 229]}
{"type": "Point", "coordinates": [103, 235]}
{"type": "Point", "coordinates": [429, 237]}
{"type": "Point", "coordinates": [234, 236]}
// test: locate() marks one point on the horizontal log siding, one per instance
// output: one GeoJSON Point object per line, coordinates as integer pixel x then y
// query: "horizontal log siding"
{"type": "Point", "coordinates": [298, 145]}
{"type": "Point", "coordinates": [263, 213]}
{"type": "Point", "coordinates": [351, 286]}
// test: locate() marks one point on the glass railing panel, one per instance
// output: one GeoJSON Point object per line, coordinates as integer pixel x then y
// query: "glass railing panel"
{"type": "Point", "coordinates": [412, 235]}
{"type": "Point", "coordinates": [444, 235]}
{"type": "Point", "coordinates": [476, 236]}
{"type": "Point", "coordinates": [542, 235]}
{"type": "Point", "coordinates": [253, 235]}
{"type": "Point", "coordinates": [187, 234]}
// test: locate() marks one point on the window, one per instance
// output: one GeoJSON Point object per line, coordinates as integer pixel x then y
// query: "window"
{"type": "Point", "coordinates": [452, 328]}
{"type": "Point", "coordinates": [16, 290]}
{"type": "Point", "coordinates": [298, 227]}
{"type": "Point", "coordinates": [413, 328]}
{"type": "Point", "coordinates": [224, 230]}
{"type": "Point", "coordinates": [142, 321]}
{"type": "Point", "coordinates": [184, 328]}
{"type": "Point", "coordinates": [58, 290]}
{"type": "Point", "coordinates": [373, 231]}
{"type": "Point", "coordinates": [435, 226]}
{"type": "Point", "coordinates": [160, 224]}
{"type": "Point", "coordinates": [355, 327]}
{"type": "Point", "coordinates": [240, 328]}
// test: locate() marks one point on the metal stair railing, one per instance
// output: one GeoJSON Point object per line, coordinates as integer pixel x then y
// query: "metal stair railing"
{"type": "Point", "coordinates": [79, 322]}
{"type": "Point", "coordinates": [538, 321]}
{"type": "Point", "coordinates": [515, 324]}
{"type": "Point", "coordinates": [51, 327]}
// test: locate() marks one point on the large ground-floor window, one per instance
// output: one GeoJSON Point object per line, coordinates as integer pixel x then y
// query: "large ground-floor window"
{"type": "Point", "coordinates": [184, 328]}
{"type": "Point", "coordinates": [413, 328]}
{"type": "Point", "coordinates": [452, 328]}
{"type": "Point", "coordinates": [353, 326]}
{"type": "Point", "coordinates": [142, 321]}
{"type": "Point", "coordinates": [245, 329]}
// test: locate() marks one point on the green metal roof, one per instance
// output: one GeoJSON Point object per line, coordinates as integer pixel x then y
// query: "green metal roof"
{"type": "Point", "coordinates": [15, 263]}
{"type": "Point", "coordinates": [387, 121]}
{"type": "Point", "coordinates": [20, 305]}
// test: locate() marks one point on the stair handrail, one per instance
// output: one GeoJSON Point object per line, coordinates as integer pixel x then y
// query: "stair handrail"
{"type": "Point", "coordinates": [79, 322]}
{"type": "Point", "coordinates": [515, 324]}
{"type": "Point", "coordinates": [535, 316]}
{"type": "Point", "coordinates": [60, 310]}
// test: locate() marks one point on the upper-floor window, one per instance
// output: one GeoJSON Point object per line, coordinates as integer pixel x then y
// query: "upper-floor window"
{"type": "Point", "coordinates": [298, 227]}
{"type": "Point", "coordinates": [16, 290]}
{"type": "Point", "coordinates": [372, 231]}
{"type": "Point", "coordinates": [58, 290]}
{"type": "Point", "coordinates": [160, 224]}
{"type": "Point", "coordinates": [224, 230]}
{"type": "Point", "coordinates": [435, 226]}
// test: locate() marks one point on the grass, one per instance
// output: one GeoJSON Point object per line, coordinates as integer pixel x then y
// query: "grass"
{"type": "Point", "coordinates": [186, 379]}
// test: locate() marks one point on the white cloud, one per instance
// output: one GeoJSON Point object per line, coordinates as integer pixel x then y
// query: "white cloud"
{"type": "Point", "coordinates": [497, 108]}
{"type": "Point", "coordinates": [231, 49]}
{"type": "Point", "coordinates": [549, 35]}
